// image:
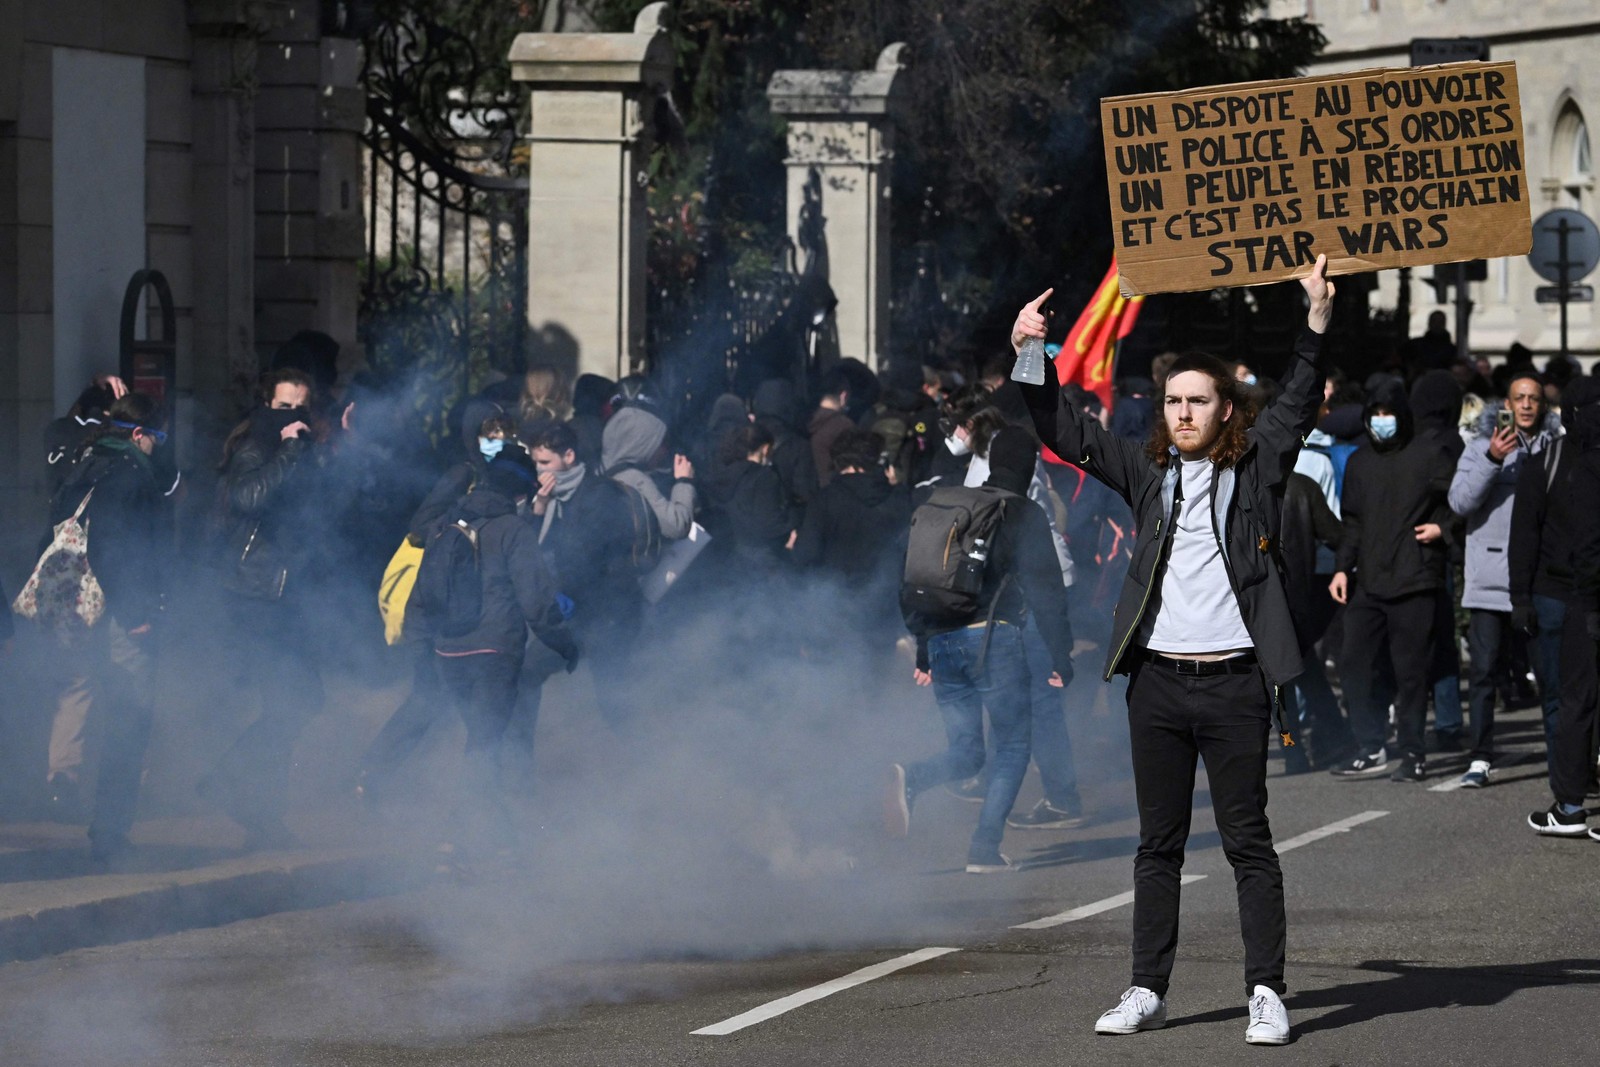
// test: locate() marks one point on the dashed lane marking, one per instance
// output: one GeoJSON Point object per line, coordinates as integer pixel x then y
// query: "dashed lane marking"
{"type": "Point", "coordinates": [778, 1007]}
{"type": "Point", "coordinates": [1340, 827]}
{"type": "Point", "coordinates": [1087, 910]}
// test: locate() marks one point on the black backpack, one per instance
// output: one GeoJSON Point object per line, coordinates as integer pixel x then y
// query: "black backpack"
{"type": "Point", "coordinates": [447, 600]}
{"type": "Point", "coordinates": [646, 528]}
{"type": "Point", "coordinates": [951, 538]}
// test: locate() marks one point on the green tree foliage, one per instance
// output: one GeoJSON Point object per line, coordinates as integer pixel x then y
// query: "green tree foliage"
{"type": "Point", "coordinates": [999, 178]}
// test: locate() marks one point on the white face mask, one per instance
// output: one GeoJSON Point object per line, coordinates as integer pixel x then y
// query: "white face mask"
{"type": "Point", "coordinates": [957, 446]}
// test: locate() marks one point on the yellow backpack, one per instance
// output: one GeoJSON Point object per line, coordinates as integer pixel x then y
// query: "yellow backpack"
{"type": "Point", "coordinates": [395, 589]}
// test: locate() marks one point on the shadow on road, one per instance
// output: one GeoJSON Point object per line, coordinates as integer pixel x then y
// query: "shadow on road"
{"type": "Point", "coordinates": [1407, 987]}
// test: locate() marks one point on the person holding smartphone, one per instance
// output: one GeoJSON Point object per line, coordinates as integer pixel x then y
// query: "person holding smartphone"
{"type": "Point", "coordinates": [1482, 492]}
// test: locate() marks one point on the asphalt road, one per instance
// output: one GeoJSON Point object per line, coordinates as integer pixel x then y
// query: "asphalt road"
{"type": "Point", "coordinates": [1427, 928]}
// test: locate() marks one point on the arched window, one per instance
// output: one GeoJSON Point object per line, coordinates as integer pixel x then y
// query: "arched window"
{"type": "Point", "coordinates": [1572, 158]}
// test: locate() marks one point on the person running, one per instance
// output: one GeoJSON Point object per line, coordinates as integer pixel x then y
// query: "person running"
{"type": "Point", "coordinates": [1204, 632]}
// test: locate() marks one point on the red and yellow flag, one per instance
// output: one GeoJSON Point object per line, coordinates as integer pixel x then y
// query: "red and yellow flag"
{"type": "Point", "coordinates": [1089, 355]}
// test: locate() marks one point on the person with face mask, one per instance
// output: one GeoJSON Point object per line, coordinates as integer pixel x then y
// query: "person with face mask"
{"type": "Point", "coordinates": [1391, 567]}
{"type": "Point", "coordinates": [273, 562]}
{"type": "Point", "coordinates": [412, 720]}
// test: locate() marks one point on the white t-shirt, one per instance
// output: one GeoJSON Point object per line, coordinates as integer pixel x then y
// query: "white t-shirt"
{"type": "Point", "coordinates": [1194, 609]}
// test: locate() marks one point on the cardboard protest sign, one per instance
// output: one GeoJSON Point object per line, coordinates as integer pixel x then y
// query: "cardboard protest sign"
{"type": "Point", "coordinates": [1244, 184]}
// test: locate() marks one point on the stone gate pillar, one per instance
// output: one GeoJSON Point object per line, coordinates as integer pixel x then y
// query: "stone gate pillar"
{"type": "Point", "coordinates": [592, 99]}
{"type": "Point", "coordinates": [841, 142]}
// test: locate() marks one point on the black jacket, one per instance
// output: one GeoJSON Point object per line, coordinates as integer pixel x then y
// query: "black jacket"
{"type": "Point", "coordinates": [1250, 492]}
{"type": "Point", "coordinates": [1391, 487]}
{"type": "Point", "coordinates": [518, 590]}
{"type": "Point", "coordinates": [590, 548]}
{"type": "Point", "coordinates": [446, 493]}
{"type": "Point", "coordinates": [751, 512]}
{"type": "Point", "coordinates": [1307, 521]}
{"type": "Point", "coordinates": [1024, 551]}
{"type": "Point", "coordinates": [129, 544]}
{"type": "Point", "coordinates": [855, 528]}
{"type": "Point", "coordinates": [275, 519]}
{"type": "Point", "coordinates": [1546, 526]}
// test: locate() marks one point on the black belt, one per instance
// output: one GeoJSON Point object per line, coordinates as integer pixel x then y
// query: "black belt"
{"type": "Point", "coordinates": [1204, 668]}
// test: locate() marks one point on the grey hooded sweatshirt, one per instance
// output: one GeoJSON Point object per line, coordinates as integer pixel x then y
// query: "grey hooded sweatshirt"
{"type": "Point", "coordinates": [630, 442]}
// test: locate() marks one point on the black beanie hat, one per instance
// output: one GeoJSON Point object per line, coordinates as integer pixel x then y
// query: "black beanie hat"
{"type": "Point", "coordinates": [512, 472]}
{"type": "Point", "coordinates": [1012, 458]}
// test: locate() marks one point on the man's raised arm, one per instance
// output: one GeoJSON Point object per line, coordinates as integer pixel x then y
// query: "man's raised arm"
{"type": "Point", "coordinates": [1063, 428]}
{"type": "Point", "coordinates": [1280, 429]}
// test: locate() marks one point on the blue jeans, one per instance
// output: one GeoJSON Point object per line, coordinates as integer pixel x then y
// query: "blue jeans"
{"type": "Point", "coordinates": [964, 688]}
{"type": "Point", "coordinates": [1550, 613]}
{"type": "Point", "coordinates": [1052, 747]}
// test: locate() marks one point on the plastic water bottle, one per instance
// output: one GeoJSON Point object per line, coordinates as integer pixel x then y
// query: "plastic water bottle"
{"type": "Point", "coordinates": [1030, 362]}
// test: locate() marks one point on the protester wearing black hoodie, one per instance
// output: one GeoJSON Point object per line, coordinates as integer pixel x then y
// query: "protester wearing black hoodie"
{"type": "Point", "coordinates": [855, 531]}
{"type": "Point", "coordinates": [480, 668]}
{"type": "Point", "coordinates": [1568, 555]}
{"type": "Point", "coordinates": [777, 409]}
{"type": "Point", "coordinates": [1392, 560]}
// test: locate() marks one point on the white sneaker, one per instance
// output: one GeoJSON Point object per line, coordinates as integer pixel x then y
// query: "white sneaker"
{"type": "Point", "coordinates": [1477, 775]}
{"type": "Point", "coordinates": [1269, 1019]}
{"type": "Point", "coordinates": [1139, 1009]}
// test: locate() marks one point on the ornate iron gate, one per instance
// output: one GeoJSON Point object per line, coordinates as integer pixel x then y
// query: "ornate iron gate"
{"type": "Point", "coordinates": [444, 287]}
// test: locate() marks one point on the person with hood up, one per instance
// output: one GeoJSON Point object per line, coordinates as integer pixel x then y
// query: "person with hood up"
{"type": "Point", "coordinates": [480, 668]}
{"type": "Point", "coordinates": [1566, 550]}
{"type": "Point", "coordinates": [1483, 493]}
{"type": "Point", "coordinates": [974, 667]}
{"type": "Point", "coordinates": [628, 452]}
{"type": "Point", "coordinates": [854, 532]}
{"type": "Point", "coordinates": [1392, 560]}
{"type": "Point", "coordinates": [777, 408]}
{"type": "Point", "coordinates": [1436, 402]}
{"type": "Point", "coordinates": [751, 514]}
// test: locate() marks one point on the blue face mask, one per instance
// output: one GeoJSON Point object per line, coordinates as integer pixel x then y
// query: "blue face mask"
{"type": "Point", "coordinates": [1384, 427]}
{"type": "Point", "coordinates": [490, 447]}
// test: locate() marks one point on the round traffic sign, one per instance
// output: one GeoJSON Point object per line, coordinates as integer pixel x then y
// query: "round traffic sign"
{"type": "Point", "coordinates": [1583, 245]}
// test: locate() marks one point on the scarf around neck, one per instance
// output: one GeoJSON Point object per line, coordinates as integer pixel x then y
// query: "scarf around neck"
{"type": "Point", "coordinates": [567, 483]}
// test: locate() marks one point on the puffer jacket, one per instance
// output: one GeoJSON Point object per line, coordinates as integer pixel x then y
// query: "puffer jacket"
{"type": "Point", "coordinates": [1247, 508]}
{"type": "Point", "coordinates": [1483, 493]}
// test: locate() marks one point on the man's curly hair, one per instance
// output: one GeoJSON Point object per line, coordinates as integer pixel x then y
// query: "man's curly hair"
{"type": "Point", "coordinates": [1233, 440]}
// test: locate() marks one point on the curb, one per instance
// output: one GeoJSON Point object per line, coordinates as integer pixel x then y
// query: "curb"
{"type": "Point", "coordinates": [112, 908]}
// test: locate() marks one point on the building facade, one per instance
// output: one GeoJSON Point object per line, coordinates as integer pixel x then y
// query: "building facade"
{"type": "Point", "coordinates": [1554, 44]}
{"type": "Point", "coordinates": [214, 141]}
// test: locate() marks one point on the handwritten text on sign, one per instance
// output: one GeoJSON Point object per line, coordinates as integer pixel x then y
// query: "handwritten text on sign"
{"type": "Point", "coordinates": [1242, 184]}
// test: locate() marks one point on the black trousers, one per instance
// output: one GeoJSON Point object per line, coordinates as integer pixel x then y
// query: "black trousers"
{"type": "Point", "coordinates": [1224, 719]}
{"type": "Point", "coordinates": [1572, 769]}
{"type": "Point", "coordinates": [1404, 629]}
{"type": "Point", "coordinates": [1489, 637]}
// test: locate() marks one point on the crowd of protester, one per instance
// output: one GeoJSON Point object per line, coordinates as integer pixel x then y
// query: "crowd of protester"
{"type": "Point", "coordinates": [1439, 507]}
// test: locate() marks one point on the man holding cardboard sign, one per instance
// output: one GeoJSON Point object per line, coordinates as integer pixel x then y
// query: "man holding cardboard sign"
{"type": "Point", "coordinates": [1235, 184]}
{"type": "Point", "coordinates": [1204, 632]}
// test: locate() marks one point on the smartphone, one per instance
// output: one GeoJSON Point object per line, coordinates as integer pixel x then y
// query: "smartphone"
{"type": "Point", "coordinates": [1502, 419]}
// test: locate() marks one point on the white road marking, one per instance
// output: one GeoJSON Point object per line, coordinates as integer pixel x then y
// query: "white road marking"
{"type": "Point", "coordinates": [1091, 909]}
{"type": "Point", "coordinates": [777, 1007]}
{"type": "Point", "coordinates": [1340, 827]}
